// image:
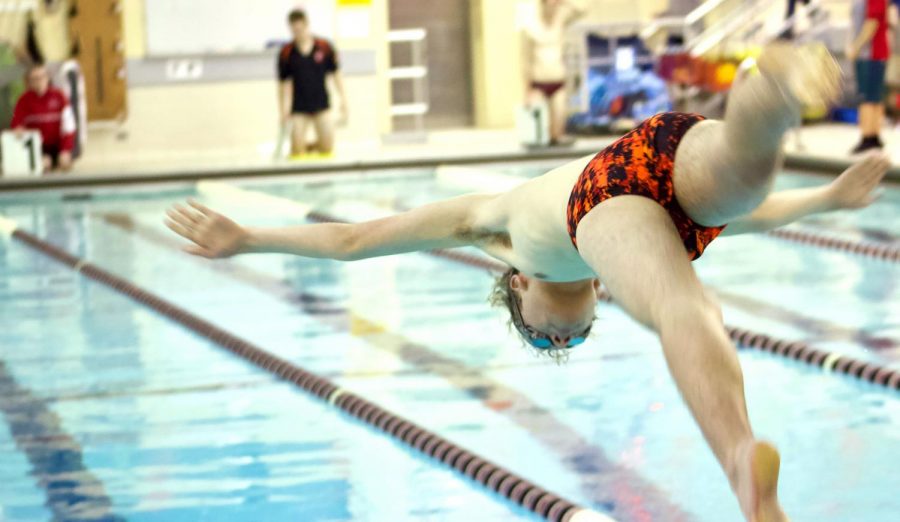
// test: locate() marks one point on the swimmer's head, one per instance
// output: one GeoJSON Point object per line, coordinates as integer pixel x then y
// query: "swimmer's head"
{"type": "Point", "coordinates": [550, 317]}
{"type": "Point", "coordinates": [38, 79]}
{"type": "Point", "coordinates": [299, 24]}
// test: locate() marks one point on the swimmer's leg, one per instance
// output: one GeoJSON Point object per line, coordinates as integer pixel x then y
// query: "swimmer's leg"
{"type": "Point", "coordinates": [633, 246]}
{"type": "Point", "coordinates": [724, 169]}
{"type": "Point", "coordinates": [298, 134]}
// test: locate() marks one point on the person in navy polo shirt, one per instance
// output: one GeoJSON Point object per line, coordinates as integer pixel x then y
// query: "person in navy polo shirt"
{"type": "Point", "coordinates": [304, 67]}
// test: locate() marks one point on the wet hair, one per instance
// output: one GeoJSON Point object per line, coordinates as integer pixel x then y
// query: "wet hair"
{"type": "Point", "coordinates": [297, 15]}
{"type": "Point", "coordinates": [502, 295]}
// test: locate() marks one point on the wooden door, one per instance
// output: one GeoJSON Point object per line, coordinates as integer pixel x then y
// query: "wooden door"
{"type": "Point", "coordinates": [95, 27]}
{"type": "Point", "coordinates": [448, 58]}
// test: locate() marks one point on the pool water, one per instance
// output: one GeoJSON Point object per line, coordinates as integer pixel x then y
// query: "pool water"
{"type": "Point", "coordinates": [112, 412]}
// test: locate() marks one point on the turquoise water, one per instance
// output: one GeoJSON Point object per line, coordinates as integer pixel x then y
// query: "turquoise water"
{"type": "Point", "coordinates": [111, 412]}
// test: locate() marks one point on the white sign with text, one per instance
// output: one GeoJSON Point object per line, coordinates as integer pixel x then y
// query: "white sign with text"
{"type": "Point", "coordinates": [21, 154]}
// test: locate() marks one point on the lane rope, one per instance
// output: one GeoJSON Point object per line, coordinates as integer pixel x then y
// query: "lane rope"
{"type": "Point", "coordinates": [890, 253]}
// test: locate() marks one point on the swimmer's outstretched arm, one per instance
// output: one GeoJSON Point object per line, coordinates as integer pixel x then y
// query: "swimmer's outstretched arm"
{"type": "Point", "coordinates": [444, 224]}
{"type": "Point", "coordinates": [851, 190]}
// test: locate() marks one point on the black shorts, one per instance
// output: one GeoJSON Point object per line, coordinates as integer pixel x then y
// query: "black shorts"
{"type": "Point", "coordinates": [307, 111]}
{"type": "Point", "coordinates": [870, 80]}
{"type": "Point", "coordinates": [53, 153]}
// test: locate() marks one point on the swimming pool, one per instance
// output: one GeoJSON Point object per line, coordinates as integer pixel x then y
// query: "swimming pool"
{"type": "Point", "coordinates": [113, 412]}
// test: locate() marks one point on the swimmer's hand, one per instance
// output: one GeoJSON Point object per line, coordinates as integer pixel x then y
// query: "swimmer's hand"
{"type": "Point", "coordinates": [213, 235]}
{"type": "Point", "coordinates": [856, 187]}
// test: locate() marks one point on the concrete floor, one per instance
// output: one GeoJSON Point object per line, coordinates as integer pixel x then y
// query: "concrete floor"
{"type": "Point", "coordinates": [109, 155]}
{"type": "Point", "coordinates": [833, 141]}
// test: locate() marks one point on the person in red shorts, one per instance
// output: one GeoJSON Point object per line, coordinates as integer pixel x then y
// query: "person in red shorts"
{"type": "Point", "coordinates": [633, 216]}
{"type": "Point", "coordinates": [869, 50]}
{"type": "Point", "coordinates": [45, 109]}
{"type": "Point", "coordinates": [544, 67]}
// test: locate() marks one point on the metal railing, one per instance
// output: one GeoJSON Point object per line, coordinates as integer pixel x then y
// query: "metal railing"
{"type": "Point", "coordinates": [718, 22]}
{"type": "Point", "coordinates": [416, 74]}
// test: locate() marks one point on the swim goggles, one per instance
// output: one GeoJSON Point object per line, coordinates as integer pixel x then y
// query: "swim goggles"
{"type": "Point", "coordinates": [536, 338]}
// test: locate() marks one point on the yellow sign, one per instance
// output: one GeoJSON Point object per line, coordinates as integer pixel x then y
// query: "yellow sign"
{"type": "Point", "coordinates": [346, 3]}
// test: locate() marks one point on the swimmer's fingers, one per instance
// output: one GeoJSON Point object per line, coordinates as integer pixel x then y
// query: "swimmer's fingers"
{"type": "Point", "coordinates": [185, 228]}
{"type": "Point", "coordinates": [185, 223]}
{"type": "Point", "coordinates": [883, 160]}
{"type": "Point", "coordinates": [201, 208]}
{"type": "Point", "coordinates": [879, 160]}
{"type": "Point", "coordinates": [187, 215]}
{"type": "Point", "coordinates": [180, 229]}
{"type": "Point", "coordinates": [883, 167]}
{"type": "Point", "coordinates": [871, 195]}
{"type": "Point", "coordinates": [853, 188]}
{"type": "Point", "coordinates": [874, 175]}
{"type": "Point", "coordinates": [197, 250]}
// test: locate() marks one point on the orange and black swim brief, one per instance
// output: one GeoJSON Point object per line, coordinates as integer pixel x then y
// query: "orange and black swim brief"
{"type": "Point", "coordinates": [641, 163]}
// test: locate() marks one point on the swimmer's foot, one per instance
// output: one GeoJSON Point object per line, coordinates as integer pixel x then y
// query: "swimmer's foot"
{"type": "Point", "coordinates": [756, 483]}
{"type": "Point", "coordinates": [807, 72]}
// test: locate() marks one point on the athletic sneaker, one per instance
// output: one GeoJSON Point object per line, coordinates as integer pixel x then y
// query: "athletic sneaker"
{"type": "Point", "coordinates": [867, 144]}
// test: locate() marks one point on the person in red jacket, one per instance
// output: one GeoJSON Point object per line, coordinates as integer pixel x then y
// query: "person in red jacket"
{"type": "Point", "coordinates": [46, 109]}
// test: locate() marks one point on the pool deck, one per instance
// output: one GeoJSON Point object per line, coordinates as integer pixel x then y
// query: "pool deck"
{"type": "Point", "coordinates": [824, 148]}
